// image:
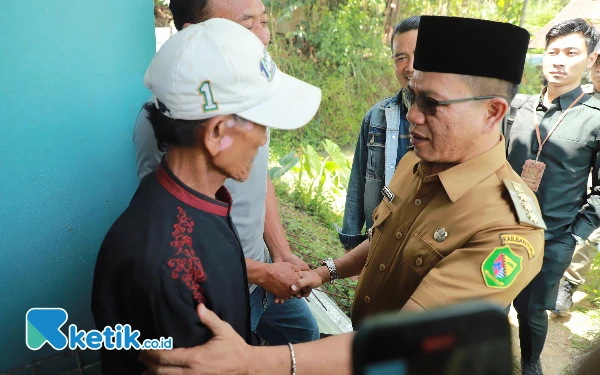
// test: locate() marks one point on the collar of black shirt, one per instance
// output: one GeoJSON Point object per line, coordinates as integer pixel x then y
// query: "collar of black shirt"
{"type": "Point", "coordinates": [220, 206]}
{"type": "Point", "coordinates": [563, 101]}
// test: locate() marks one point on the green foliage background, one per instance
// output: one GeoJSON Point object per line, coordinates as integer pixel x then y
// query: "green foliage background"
{"type": "Point", "coordinates": [339, 46]}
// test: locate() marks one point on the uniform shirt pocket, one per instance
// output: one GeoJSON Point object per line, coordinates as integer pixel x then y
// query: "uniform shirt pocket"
{"type": "Point", "coordinates": [420, 255]}
{"type": "Point", "coordinates": [380, 216]}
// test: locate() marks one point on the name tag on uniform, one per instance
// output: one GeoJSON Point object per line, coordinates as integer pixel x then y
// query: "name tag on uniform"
{"type": "Point", "coordinates": [532, 174]}
{"type": "Point", "coordinates": [388, 194]}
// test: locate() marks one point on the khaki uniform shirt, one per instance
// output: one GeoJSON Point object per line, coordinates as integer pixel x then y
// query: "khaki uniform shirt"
{"type": "Point", "coordinates": [473, 231]}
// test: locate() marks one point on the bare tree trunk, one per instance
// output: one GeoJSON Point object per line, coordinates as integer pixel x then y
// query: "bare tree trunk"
{"type": "Point", "coordinates": [523, 13]}
{"type": "Point", "coordinates": [391, 10]}
{"type": "Point", "coordinates": [386, 19]}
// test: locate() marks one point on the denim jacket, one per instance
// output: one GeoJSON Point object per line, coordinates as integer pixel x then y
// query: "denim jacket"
{"type": "Point", "coordinates": [382, 141]}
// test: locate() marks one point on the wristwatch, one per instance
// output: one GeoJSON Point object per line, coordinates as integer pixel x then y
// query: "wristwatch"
{"type": "Point", "coordinates": [330, 264]}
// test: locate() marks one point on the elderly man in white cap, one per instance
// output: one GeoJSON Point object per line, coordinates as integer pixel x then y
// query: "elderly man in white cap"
{"type": "Point", "coordinates": [175, 246]}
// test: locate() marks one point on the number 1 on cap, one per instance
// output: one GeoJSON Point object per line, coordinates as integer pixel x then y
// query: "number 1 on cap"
{"type": "Point", "coordinates": [209, 102]}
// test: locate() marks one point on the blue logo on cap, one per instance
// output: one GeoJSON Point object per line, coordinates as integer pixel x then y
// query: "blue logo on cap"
{"type": "Point", "coordinates": [267, 67]}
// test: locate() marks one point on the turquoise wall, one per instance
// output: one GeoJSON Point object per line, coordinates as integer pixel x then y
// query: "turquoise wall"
{"type": "Point", "coordinates": [71, 86]}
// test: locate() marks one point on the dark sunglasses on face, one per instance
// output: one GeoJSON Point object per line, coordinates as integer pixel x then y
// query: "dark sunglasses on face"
{"type": "Point", "coordinates": [428, 106]}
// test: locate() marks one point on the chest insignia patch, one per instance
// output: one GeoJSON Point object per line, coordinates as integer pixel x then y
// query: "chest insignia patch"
{"type": "Point", "coordinates": [513, 239]}
{"type": "Point", "coordinates": [388, 194]}
{"type": "Point", "coordinates": [501, 268]}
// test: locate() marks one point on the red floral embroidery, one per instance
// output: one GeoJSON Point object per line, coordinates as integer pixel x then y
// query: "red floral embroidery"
{"type": "Point", "coordinates": [186, 264]}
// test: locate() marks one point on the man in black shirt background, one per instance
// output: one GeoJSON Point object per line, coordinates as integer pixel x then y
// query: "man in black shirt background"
{"type": "Point", "coordinates": [216, 90]}
{"type": "Point", "coordinates": [553, 144]}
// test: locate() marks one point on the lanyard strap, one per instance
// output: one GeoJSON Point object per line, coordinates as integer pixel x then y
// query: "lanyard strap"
{"type": "Point", "coordinates": [537, 127]}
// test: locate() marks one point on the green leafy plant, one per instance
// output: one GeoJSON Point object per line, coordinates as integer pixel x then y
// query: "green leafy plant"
{"type": "Point", "coordinates": [337, 46]}
{"type": "Point", "coordinates": [312, 167]}
{"type": "Point", "coordinates": [314, 173]}
{"type": "Point", "coordinates": [592, 283]}
{"type": "Point", "coordinates": [338, 166]}
{"type": "Point", "coordinates": [285, 164]}
{"type": "Point", "coordinates": [313, 182]}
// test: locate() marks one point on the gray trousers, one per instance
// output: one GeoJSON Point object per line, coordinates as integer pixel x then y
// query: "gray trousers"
{"type": "Point", "coordinates": [582, 259]}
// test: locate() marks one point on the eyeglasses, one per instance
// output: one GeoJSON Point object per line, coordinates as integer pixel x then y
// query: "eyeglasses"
{"type": "Point", "coordinates": [428, 106]}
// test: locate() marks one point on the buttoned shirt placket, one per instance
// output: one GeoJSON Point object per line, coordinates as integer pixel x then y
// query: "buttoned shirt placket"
{"type": "Point", "coordinates": [410, 212]}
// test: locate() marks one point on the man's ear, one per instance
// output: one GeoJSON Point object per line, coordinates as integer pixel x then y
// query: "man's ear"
{"type": "Point", "coordinates": [214, 131]}
{"type": "Point", "coordinates": [592, 59]}
{"type": "Point", "coordinates": [185, 25]}
{"type": "Point", "coordinates": [496, 110]}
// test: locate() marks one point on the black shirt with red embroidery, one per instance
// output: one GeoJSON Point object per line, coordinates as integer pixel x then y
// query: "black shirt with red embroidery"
{"type": "Point", "coordinates": [170, 250]}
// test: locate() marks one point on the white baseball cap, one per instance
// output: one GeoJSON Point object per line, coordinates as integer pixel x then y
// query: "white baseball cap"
{"type": "Point", "coordinates": [218, 67]}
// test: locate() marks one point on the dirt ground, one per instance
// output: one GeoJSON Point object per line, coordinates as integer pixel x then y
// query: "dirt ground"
{"type": "Point", "coordinates": [569, 338]}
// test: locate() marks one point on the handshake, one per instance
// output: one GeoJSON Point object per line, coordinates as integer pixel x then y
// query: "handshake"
{"type": "Point", "coordinates": [286, 280]}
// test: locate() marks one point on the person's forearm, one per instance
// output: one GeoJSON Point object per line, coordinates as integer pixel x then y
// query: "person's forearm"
{"type": "Point", "coordinates": [274, 235]}
{"type": "Point", "coordinates": [350, 264]}
{"type": "Point", "coordinates": [256, 271]}
{"type": "Point", "coordinates": [332, 355]}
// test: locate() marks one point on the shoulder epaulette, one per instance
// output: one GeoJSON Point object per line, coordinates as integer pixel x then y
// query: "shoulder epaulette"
{"type": "Point", "coordinates": [527, 211]}
{"type": "Point", "coordinates": [592, 101]}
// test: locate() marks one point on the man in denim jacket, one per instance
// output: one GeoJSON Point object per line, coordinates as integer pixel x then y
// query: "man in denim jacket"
{"type": "Point", "coordinates": [382, 142]}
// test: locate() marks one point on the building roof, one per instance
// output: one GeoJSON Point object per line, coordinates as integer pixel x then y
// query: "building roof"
{"type": "Point", "coordinates": [586, 9]}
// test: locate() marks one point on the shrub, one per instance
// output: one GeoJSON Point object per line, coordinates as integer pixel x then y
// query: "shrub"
{"type": "Point", "coordinates": [338, 48]}
{"type": "Point", "coordinates": [314, 181]}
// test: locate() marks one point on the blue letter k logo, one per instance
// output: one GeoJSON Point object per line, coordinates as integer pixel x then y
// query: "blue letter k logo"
{"type": "Point", "coordinates": [42, 325]}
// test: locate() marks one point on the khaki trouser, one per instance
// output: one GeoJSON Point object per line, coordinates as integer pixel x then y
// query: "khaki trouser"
{"type": "Point", "coordinates": [582, 259]}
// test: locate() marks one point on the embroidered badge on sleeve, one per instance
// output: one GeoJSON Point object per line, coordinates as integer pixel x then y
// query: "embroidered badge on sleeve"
{"type": "Point", "coordinates": [513, 239]}
{"type": "Point", "coordinates": [501, 267]}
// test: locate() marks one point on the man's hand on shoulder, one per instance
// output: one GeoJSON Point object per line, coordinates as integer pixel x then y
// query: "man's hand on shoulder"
{"type": "Point", "coordinates": [214, 357]}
